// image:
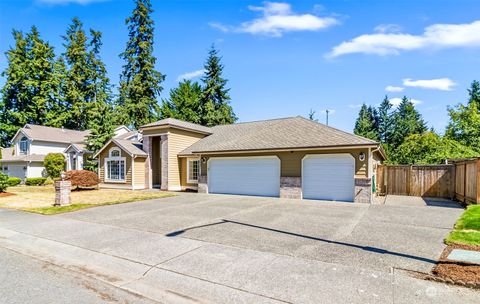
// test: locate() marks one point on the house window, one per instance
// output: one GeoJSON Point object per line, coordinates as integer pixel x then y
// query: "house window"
{"type": "Point", "coordinates": [193, 170]}
{"type": "Point", "coordinates": [4, 169]}
{"type": "Point", "coordinates": [23, 145]}
{"type": "Point", "coordinates": [115, 166]}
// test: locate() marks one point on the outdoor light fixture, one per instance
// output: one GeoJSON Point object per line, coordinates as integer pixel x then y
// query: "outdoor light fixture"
{"type": "Point", "coordinates": [204, 160]}
{"type": "Point", "coordinates": [361, 156]}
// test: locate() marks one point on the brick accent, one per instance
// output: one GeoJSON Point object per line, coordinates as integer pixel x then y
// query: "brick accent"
{"type": "Point", "coordinates": [202, 184]}
{"type": "Point", "coordinates": [62, 193]}
{"type": "Point", "coordinates": [164, 161]}
{"type": "Point", "coordinates": [363, 190]}
{"type": "Point", "coordinates": [290, 187]}
{"type": "Point", "coordinates": [147, 147]}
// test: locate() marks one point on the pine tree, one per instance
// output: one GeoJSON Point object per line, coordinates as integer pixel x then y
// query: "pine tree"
{"type": "Point", "coordinates": [31, 90]}
{"type": "Point", "coordinates": [183, 103]}
{"type": "Point", "coordinates": [367, 123]}
{"type": "Point", "coordinates": [215, 106]}
{"type": "Point", "coordinates": [384, 121]}
{"type": "Point", "coordinates": [474, 93]}
{"type": "Point", "coordinates": [140, 83]}
{"type": "Point", "coordinates": [406, 121]}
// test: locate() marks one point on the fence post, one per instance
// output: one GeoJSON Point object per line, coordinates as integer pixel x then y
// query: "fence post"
{"type": "Point", "coordinates": [477, 186]}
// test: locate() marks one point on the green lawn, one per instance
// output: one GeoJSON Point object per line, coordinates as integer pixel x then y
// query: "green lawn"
{"type": "Point", "coordinates": [467, 228]}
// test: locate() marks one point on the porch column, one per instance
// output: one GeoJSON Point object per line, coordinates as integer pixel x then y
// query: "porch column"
{"type": "Point", "coordinates": [164, 161]}
{"type": "Point", "coordinates": [147, 147]}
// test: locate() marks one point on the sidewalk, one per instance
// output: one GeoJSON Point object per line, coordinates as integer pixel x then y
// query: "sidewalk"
{"type": "Point", "coordinates": [179, 270]}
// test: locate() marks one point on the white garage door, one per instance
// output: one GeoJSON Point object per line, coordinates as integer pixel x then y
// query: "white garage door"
{"type": "Point", "coordinates": [16, 171]}
{"type": "Point", "coordinates": [244, 175]}
{"type": "Point", "coordinates": [328, 177]}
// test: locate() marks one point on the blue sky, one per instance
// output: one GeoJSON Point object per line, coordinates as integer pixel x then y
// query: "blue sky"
{"type": "Point", "coordinates": [285, 58]}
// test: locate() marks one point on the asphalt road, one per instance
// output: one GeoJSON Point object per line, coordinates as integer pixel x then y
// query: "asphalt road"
{"type": "Point", "coordinates": [25, 280]}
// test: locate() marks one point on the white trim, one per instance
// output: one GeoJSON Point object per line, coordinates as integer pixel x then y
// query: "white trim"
{"type": "Point", "coordinates": [347, 155]}
{"type": "Point", "coordinates": [154, 135]}
{"type": "Point", "coordinates": [133, 173]}
{"type": "Point", "coordinates": [115, 158]}
{"type": "Point", "coordinates": [174, 188]}
{"type": "Point", "coordinates": [193, 181]}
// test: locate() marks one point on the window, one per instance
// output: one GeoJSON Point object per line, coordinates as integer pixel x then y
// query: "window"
{"type": "Point", "coordinates": [115, 166]}
{"type": "Point", "coordinates": [193, 170]}
{"type": "Point", "coordinates": [23, 145]}
{"type": "Point", "coordinates": [4, 169]}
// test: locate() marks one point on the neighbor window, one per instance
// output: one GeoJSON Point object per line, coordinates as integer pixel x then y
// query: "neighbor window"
{"type": "Point", "coordinates": [24, 145]}
{"type": "Point", "coordinates": [115, 166]}
{"type": "Point", "coordinates": [193, 170]}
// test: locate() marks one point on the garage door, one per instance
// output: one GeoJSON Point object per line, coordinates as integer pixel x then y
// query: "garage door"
{"type": "Point", "coordinates": [328, 177]}
{"type": "Point", "coordinates": [16, 171]}
{"type": "Point", "coordinates": [244, 175]}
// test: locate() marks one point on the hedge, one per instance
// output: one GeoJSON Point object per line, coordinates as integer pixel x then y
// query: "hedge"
{"type": "Point", "coordinates": [35, 181]}
{"type": "Point", "coordinates": [14, 181]}
{"type": "Point", "coordinates": [54, 164]}
{"type": "Point", "coordinates": [3, 182]}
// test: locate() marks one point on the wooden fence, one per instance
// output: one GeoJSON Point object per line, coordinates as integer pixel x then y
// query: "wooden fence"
{"type": "Point", "coordinates": [467, 180]}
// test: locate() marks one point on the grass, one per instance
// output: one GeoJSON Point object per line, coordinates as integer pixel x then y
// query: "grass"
{"type": "Point", "coordinates": [467, 228]}
{"type": "Point", "coordinates": [40, 199]}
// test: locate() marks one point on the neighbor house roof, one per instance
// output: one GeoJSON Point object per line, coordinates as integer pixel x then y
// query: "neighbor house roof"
{"type": "Point", "coordinates": [283, 133]}
{"type": "Point", "coordinates": [79, 147]}
{"type": "Point", "coordinates": [8, 157]}
{"type": "Point", "coordinates": [42, 133]}
{"type": "Point", "coordinates": [179, 124]}
{"type": "Point", "coordinates": [127, 135]}
{"type": "Point", "coordinates": [133, 148]}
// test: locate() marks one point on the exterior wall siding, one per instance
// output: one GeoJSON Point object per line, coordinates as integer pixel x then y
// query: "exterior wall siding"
{"type": "Point", "coordinates": [43, 147]}
{"type": "Point", "coordinates": [178, 140]}
{"type": "Point", "coordinates": [139, 172]}
{"type": "Point", "coordinates": [183, 175]}
{"type": "Point", "coordinates": [101, 166]}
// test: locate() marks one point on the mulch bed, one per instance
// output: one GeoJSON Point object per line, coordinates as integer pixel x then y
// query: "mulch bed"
{"type": "Point", "coordinates": [5, 194]}
{"type": "Point", "coordinates": [458, 273]}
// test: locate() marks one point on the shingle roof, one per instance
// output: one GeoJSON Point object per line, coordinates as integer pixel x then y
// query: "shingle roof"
{"type": "Point", "coordinates": [130, 146]}
{"type": "Point", "coordinates": [180, 124]}
{"type": "Point", "coordinates": [284, 133]}
{"type": "Point", "coordinates": [42, 133]}
{"type": "Point", "coordinates": [8, 157]}
{"type": "Point", "coordinates": [126, 135]}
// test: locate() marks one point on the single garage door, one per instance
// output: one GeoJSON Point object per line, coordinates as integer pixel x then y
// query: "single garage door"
{"type": "Point", "coordinates": [16, 171]}
{"type": "Point", "coordinates": [328, 177]}
{"type": "Point", "coordinates": [244, 175]}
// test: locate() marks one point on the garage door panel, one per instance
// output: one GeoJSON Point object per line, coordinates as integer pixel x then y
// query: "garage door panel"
{"type": "Point", "coordinates": [328, 177]}
{"type": "Point", "coordinates": [248, 176]}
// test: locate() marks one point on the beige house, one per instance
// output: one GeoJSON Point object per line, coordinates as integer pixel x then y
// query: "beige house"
{"type": "Point", "coordinates": [288, 157]}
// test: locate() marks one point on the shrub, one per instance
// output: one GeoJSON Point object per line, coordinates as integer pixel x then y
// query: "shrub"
{"type": "Point", "coordinates": [54, 164]}
{"type": "Point", "coordinates": [49, 181]}
{"type": "Point", "coordinates": [3, 182]}
{"type": "Point", "coordinates": [35, 181]}
{"type": "Point", "coordinates": [82, 178]}
{"type": "Point", "coordinates": [14, 181]}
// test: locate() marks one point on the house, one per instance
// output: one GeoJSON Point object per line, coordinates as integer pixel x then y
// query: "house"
{"type": "Point", "coordinates": [32, 143]}
{"type": "Point", "coordinates": [289, 157]}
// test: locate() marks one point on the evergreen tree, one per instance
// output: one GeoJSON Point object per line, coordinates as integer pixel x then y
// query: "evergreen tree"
{"type": "Point", "coordinates": [464, 125]}
{"type": "Point", "coordinates": [140, 83]}
{"type": "Point", "coordinates": [384, 121]}
{"type": "Point", "coordinates": [31, 90]}
{"type": "Point", "coordinates": [215, 106]}
{"type": "Point", "coordinates": [406, 121]}
{"type": "Point", "coordinates": [367, 123]}
{"type": "Point", "coordinates": [183, 103]}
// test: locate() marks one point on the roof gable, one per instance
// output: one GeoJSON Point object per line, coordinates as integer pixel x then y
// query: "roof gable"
{"type": "Point", "coordinates": [50, 134]}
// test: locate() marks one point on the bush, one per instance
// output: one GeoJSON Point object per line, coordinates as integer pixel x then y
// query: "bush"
{"type": "Point", "coordinates": [3, 182]}
{"type": "Point", "coordinates": [49, 181]}
{"type": "Point", "coordinates": [82, 178]}
{"type": "Point", "coordinates": [35, 181]}
{"type": "Point", "coordinates": [54, 164]}
{"type": "Point", "coordinates": [14, 181]}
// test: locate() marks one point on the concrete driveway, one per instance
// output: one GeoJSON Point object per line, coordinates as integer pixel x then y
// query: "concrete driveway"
{"type": "Point", "coordinates": [217, 248]}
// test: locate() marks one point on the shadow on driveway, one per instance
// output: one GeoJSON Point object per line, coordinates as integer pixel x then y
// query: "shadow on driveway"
{"type": "Point", "coordinates": [365, 248]}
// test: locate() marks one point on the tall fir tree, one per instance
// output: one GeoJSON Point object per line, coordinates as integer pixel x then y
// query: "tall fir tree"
{"type": "Point", "coordinates": [384, 121]}
{"type": "Point", "coordinates": [140, 82]}
{"type": "Point", "coordinates": [183, 103]}
{"type": "Point", "coordinates": [406, 121]}
{"type": "Point", "coordinates": [215, 100]}
{"type": "Point", "coordinates": [366, 124]}
{"type": "Point", "coordinates": [464, 125]}
{"type": "Point", "coordinates": [31, 91]}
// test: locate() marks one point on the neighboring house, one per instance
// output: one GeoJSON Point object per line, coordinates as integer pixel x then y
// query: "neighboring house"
{"type": "Point", "coordinates": [289, 157]}
{"type": "Point", "coordinates": [32, 143]}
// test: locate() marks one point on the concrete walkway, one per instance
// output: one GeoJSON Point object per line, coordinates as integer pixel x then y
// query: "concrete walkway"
{"type": "Point", "coordinates": [181, 270]}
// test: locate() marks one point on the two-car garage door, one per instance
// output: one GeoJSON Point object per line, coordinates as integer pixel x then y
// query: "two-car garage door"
{"type": "Point", "coordinates": [244, 175]}
{"type": "Point", "coordinates": [324, 176]}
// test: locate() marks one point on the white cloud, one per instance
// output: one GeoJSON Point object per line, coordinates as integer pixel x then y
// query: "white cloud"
{"type": "Point", "coordinates": [190, 75]}
{"type": "Point", "coordinates": [394, 89]}
{"type": "Point", "coordinates": [443, 84]}
{"type": "Point", "coordinates": [396, 101]}
{"type": "Point", "coordinates": [278, 18]}
{"type": "Point", "coordinates": [436, 36]}
{"type": "Point", "coordinates": [388, 28]}
{"type": "Point", "coordinates": [62, 2]}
